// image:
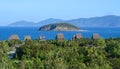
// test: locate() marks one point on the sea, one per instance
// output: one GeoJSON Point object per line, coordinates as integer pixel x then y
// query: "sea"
{"type": "Point", "coordinates": [104, 32]}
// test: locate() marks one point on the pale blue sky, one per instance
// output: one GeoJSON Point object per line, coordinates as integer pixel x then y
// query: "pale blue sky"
{"type": "Point", "coordinates": [36, 10]}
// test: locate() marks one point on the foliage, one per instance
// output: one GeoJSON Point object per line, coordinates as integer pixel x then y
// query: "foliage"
{"type": "Point", "coordinates": [82, 53]}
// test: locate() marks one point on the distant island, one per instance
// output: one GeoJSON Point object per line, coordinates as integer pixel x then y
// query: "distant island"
{"type": "Point", "coordinates": [104, 21]}
{"type": "Point", "coordinates": [59, 27]}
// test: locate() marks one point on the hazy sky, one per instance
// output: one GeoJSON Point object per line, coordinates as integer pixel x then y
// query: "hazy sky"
{"type": "Point", "coordinates": [36, 10]}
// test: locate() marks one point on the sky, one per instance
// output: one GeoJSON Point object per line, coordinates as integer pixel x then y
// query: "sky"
{"type": "Point", "coordinates": [37, 10]}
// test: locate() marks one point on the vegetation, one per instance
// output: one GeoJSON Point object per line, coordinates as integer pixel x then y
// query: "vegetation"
{"type": "Point", "coordinates": [82, 53]}
{"type": "Point", "coordinates": [59, 27]}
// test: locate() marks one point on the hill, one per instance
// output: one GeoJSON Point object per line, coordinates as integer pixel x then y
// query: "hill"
{"type": "Point", "coordinates": [49, 21]}
{"type": "Point", "coordinates": [59, 27]}
{"type": "Point", "coordinates": [104, 21]}
{"type": "Point", "coordinates": [22, 24]}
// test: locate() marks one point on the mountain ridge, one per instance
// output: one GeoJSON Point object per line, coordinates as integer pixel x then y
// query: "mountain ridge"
{"type": "Point", "coordinates": [103, 21]}
{"type": "Point", "coordinates": [21, 23]}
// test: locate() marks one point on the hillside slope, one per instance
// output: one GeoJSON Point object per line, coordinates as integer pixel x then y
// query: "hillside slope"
{"type": "Point", "coordinates": [59, 27]}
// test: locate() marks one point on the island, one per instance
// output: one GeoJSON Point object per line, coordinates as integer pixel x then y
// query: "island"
{"type": "Point", "coordinates": [59, 27]}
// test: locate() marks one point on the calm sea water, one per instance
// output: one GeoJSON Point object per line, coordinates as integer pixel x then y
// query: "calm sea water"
{"type": "Point", "coordinates": [34, 32]}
